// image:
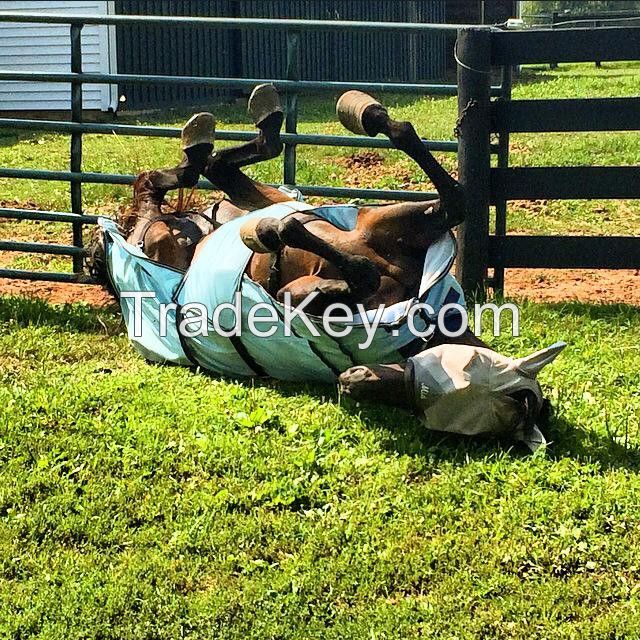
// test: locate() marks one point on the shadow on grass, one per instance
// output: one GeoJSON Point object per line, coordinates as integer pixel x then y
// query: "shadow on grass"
{"type": "Point", "coordinates": [568, 441]}
{"type": "Point", "coordinates": [404, 433]}
{"type": "Point", "coordinates": [408, 436]}
{"type": "Point", "coordinates": [11, 138]}
{"type": "Point", "coordinates": [78, 317]}
{"type": "Point", "coordinates": [610, 312]}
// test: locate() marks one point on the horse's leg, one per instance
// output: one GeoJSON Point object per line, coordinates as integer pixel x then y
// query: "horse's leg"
{"type": "Point", "coordinates": [327, 291]}
{"type": "Point", "coordinates": [382, 383]}
{"type": "Point", "coordinates": [223, 167]}
{"type": "Point", "coordinates": [374, 119]}
{"type": "Point", "coordinates": [266, 112]}
{"type": "Point", "coordinates": [244, 193]}
{"type": "Point", "coordinates": [271, 235]}
{"type": "Point", "coordinates": [151, 187]}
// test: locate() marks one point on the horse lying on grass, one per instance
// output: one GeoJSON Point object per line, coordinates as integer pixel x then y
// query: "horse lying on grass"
{"type": "Point", "coordinates": [264, 248]}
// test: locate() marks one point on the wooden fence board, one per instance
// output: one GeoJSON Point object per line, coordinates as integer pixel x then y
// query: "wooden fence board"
{"type": "Point", "coordinates": [564, 183]}
{"type": "Point", "coordinates": [565, 252]}
{"type": "Point", "coordinates": [540, 116]}
{"type": "Point", "coordinates": [564, 45]}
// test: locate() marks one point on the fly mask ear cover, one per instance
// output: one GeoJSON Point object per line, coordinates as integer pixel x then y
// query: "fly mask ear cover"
{"type": "Point", "coordinates": [468, 390]}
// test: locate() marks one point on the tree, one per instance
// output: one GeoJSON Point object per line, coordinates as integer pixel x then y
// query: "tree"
{"type": "Point", "coordinates": [539, 8]}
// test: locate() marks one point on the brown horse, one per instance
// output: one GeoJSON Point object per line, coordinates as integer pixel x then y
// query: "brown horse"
{"type": "Point", "coordinates": [379, 262]}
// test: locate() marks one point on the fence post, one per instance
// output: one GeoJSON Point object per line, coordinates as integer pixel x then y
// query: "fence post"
{"type": "Point", "coordinates": [503, 163]}
{"type": "Point", "coordinates": [76, 139]}
{"type": "Point", "coordinates": [554, 18]}
{"type": "Point", "coordinates": [473, 49]}
{"type": "Point", "coordinates": [291, 123]}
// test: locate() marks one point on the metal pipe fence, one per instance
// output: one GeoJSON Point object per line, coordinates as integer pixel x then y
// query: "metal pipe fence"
{"type": "Point", "coordinates": [290, 86]}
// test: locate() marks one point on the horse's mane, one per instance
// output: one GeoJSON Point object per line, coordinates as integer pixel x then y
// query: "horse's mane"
{"type": "Point", "coordinates": [127, 215]}
{"type": "Point", "coordinates": [126, 218]}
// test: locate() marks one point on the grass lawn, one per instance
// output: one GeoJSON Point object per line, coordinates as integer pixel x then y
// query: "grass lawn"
{"type": "Point", "coordinates": [139, 501]}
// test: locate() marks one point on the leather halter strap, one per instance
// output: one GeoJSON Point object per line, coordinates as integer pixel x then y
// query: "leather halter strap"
{"type": "Point", "coordinates": [163, 217]}
{"type": "Point", "coordinates": [171, 219]}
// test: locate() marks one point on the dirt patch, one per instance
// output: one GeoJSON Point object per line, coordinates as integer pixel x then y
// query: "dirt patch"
{"type": "Point", "coordinates": [362, 159]}
{"type": "Point", "coordinates": [533, 206]}
{"type": "Point", "coordinates": [19, 204]}
{"type": "Point", "coordinates": [539, 285]}
{"type": "Point", "coordinates": [584, 285]}
{"type": "Point", "coordinates": [57, 292]}
{"type": "Point", "coordinates": [367, 169]}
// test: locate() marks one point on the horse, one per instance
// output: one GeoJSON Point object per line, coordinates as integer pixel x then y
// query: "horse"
{"type": "Point", "coordinates": [379, 261]}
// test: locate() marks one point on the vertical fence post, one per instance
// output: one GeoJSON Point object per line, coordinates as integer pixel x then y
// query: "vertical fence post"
{"type": "Point", "coordinates": [412, 42]}
{"type": "Point", "coordinates": [473, 49]}
{"type": "Point", "coordinates": [555, 17]}
{"type": "Point", "coordinates": [76, 139]}
{"type": "Point", "coordinates": [291, 124]}
{"type": "Point", "coordinates": [503, 163]}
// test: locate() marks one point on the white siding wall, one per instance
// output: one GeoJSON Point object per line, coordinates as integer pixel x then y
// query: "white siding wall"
{"type": "Point", "coordinates": [45, 47]}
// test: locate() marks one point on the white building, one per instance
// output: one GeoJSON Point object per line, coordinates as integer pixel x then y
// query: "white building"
{"type": "Point", "coordinates": [46, 47]}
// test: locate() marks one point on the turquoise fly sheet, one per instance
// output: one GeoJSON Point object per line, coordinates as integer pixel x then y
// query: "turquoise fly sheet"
{"type": "Point", "coordinates": [295, 351]}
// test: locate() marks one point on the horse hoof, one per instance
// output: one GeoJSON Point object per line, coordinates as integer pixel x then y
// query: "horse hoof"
{"type": "Point", "coordinates": [261, 235]}
{"type": "Point", "coordinates": [354, 378]}
{"type": "Point", "coordinates": [200, 129]}
{"type": "Point", "coordinates": [350, 109]}
{"type": "Point", "coordinates": [376, 383]}
{"type": "Point", "coordinates": [263, 102]}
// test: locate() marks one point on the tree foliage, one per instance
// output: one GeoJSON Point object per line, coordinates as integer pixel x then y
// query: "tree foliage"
{"type": "Point", "coordinates": [539, 8]}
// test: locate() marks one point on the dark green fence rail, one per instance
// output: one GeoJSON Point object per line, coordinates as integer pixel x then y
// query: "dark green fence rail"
{"type": "Point", "coordinates": [290, 87]}
{"type": "Point", "coordinates": [479, 51]}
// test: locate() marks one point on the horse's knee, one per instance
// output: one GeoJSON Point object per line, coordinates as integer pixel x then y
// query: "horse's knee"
{"type": "Point", "coordinates": [291, 230]}
{"type": "Point", "coordinates": [455, 205]}
{"type": "Point", "coordinates": [326, 290]}
{"type": "Point", "coordinates": [190, 175]}
{"type": "Point", "coordinates": [404, 136]}
{"type": "Point", "coordinates": [362, 274]}
{"type": "Point", "coordinates": [404, 129]}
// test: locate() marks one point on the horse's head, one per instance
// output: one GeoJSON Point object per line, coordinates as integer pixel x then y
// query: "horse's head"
{"type": "Point", "coordinates": [168, 238]}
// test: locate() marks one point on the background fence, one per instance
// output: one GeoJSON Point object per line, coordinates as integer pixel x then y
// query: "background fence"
{"type": "Point", "coordinates": [324, 55]}
{"type": "Point", "coordinates": [290, 86]}
{"type": "Point", "coordinates": [478, 51]}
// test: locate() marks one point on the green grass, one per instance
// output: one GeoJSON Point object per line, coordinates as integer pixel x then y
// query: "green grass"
{"type": "Point", "coordinates": [139, 501]}
{"type": "Point", "coordinates": [144, 502]}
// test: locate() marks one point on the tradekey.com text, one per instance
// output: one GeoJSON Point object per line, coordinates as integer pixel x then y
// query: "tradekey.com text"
{"type": "Point", "coordinates": [263, 320]}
